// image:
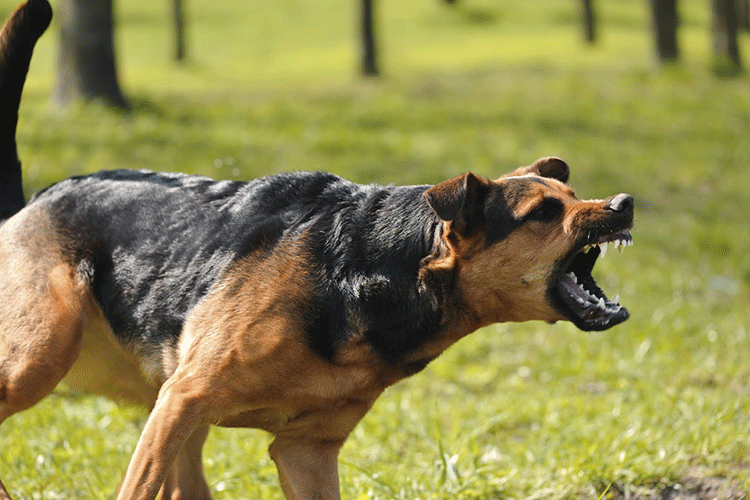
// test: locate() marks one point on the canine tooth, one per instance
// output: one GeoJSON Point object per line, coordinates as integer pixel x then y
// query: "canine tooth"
{"type": "Point", "coordinates": [603, 250]}
{"type": "Point", "coordinates": [601, 303]}
{"type": "Point", "coordinates": [616, 243]}
{"type": "Point", "coordinates": [616, 300]}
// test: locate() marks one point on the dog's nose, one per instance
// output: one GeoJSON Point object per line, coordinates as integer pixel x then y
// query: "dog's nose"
{"type": "Point", "coordinates": [620, 203]}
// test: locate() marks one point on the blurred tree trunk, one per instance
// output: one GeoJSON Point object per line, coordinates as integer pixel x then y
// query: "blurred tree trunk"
{"type": "Point", "coordinates": [369, 45]}
{"type": "Point", "coordinates": [588, 18]}
{"type": "Point", "coordinates": [743, 14]}
{"type": "Point", "coordinates": [724, 28]}
{"type": "Point", "coordinates": [179, 30]}
{"type": "Point", "coordinates": [664, 22]}
{"type": "Point", "coordinates": [86, 66]}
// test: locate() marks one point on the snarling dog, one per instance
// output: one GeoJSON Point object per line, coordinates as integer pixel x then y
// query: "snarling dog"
{"type": "Point", "coordinates": [287, 303]}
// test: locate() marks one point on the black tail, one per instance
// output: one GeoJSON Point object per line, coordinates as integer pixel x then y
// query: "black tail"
{"type": "Point", "coordinates": [17, 40]}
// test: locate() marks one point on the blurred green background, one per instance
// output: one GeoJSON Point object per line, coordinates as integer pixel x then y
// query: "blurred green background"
{"type": "Point", "coordinates": [513, 411]}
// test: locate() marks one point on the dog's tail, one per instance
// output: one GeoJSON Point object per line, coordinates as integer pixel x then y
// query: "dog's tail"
{"type": "Point", "coordinates": [17, 40]}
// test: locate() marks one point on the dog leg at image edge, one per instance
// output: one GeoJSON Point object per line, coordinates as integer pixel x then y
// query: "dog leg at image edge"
{"type": "Point", "coordinates": [175, 418]}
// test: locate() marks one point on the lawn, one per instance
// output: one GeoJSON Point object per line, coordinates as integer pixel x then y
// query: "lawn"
{"type": "Point", "coordinates": [515, 410]}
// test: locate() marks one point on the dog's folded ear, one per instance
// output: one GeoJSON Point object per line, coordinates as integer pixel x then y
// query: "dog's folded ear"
{"type": "Point", "coordinates": [550, 167]}
{"type": "Point", "coordinates": [459, 200]}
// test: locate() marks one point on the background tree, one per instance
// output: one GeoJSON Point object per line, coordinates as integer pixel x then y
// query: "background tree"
{"type": "Point", "coordinates": [178, 14]}
{"type": "Point", "coordinates": [369, 45]}
{"type": "Point", "coordinates": [588, 20]}
{"type": "Point", "coordinates": [664, 22]}
{"type": "Point", "coordinates": [86, 65]}
{"type": "Point", "coordinates": [743, 14]}
{"type": "Point", "coordinates": [724, 29]}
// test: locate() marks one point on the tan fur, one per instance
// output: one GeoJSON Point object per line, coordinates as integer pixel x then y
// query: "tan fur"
{"type": "Point", "coordinates": [242, 362]}
{"type": "Point", "coordinates": [271, 379]}
{"type": "Point", "coordinates": [42, 312]}
{"type": "Point", "coordinates": [104, 367]}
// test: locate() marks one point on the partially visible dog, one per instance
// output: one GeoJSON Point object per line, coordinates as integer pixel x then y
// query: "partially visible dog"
{"type": "Point", "coordinates": [287, 303]}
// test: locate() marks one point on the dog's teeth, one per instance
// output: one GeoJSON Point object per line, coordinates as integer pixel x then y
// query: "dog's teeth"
{"type": "Point", "coordinates": [603, 250]}
{"type": "Point", "coordinates": [601, 303]}
{"type": "Point", "coordinates": [616, 243]}
{"type": "Point", "coordinates": [616, 300]}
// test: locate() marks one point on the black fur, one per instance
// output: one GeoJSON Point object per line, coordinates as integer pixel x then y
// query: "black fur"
{"type": "Point", "coordinates": [370, 243]}
{"type": "Point", "coordinates": [153, 245]}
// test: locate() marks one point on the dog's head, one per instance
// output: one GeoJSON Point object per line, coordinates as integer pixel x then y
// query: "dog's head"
{"type": "Point", "coordinates": [524, 246]}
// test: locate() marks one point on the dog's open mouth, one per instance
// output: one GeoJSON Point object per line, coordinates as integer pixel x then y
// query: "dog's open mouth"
{"type": "Point", "coordinates": [584, 302]}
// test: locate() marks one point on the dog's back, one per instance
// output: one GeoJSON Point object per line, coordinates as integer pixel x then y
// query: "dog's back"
{"type": "Point", "coordinates": [150, 246]}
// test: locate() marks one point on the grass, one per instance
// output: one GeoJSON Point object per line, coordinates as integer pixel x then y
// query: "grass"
{"type": "Point", "coordinates": [513, 411]}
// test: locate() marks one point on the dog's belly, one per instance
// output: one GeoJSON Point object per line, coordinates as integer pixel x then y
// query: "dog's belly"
{"type": "Point", "coordinates": [104, 367]}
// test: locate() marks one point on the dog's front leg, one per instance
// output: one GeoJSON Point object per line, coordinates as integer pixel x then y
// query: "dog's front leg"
{"type": "Point", "coordinates": [308, 468]}
{"type": "Point", "coordinates": [179, 410]}
{"type": "Point", "coordinates": [185, 481]}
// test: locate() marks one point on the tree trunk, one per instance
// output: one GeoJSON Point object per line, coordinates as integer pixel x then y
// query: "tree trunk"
{"type": "Point", "coordinates": [588, 19]}
{"type": "Point", "coordinates": [724, 27]}
{"type": "Point", "coordinates": [743, 14]}
{"type": "Point", "coordinates": [179, 30]}
{"type": "Point", "coordinates": [369, 46]}
{"type": "Point", "coordinates": [86, 66]}
{"type": "Point", "coordinates": [664, 22]}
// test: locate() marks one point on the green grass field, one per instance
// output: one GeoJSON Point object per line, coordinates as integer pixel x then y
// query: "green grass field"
{"type": "Point", "coordinates": [527, 411]}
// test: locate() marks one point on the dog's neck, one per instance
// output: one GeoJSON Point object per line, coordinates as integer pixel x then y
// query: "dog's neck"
{"type": "Point", "coordinates": [395, 281]}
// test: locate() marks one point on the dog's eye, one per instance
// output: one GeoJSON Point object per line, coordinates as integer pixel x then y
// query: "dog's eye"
{"type": "Point", "coordinates": [547, 210]}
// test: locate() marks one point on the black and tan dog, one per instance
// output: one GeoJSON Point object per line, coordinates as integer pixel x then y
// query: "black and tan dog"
{"type": "Point", "coordinates": [287, 303]}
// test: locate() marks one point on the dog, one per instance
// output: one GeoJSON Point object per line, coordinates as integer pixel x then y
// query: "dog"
{"type": "Point", "coordinates": [286, 303]}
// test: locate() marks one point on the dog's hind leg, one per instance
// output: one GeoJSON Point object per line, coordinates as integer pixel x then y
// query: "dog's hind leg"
{"type": "Point", "coordinates": [43, 308]}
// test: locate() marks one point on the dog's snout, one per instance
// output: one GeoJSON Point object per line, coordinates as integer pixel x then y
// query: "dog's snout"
{"type": "Point", "coordinates": [620, 203]}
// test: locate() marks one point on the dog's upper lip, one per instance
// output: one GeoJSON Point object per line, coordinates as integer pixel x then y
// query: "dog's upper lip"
{"type": "Point", "coordinates": [620, 240]}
